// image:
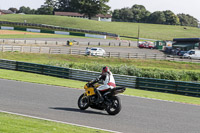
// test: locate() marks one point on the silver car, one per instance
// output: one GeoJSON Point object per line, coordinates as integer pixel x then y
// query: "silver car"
{"type": "Point", "coordinates": [95, 51]}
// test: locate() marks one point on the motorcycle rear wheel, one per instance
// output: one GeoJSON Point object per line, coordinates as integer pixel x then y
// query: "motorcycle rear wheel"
{"type": "Point", "coordinates": [83, 102]}
{"type": "Point", "coordinates": [115, 107]}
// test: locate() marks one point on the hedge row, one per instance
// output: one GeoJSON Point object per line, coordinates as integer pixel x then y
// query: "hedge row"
{"type": "Point", "coordinates": [135, 71]}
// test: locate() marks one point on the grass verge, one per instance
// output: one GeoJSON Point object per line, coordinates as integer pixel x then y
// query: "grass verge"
{"type": "Point", "coordinates": [160, 69]}
{"type": "Point", "coordinates": [18, 124]}
{"type": "Point", "coordinates": [42, 79]}
{"type": "Point", "coordinates": [62, 59]}
{"type": "Point", "coordinates": [153, 31]}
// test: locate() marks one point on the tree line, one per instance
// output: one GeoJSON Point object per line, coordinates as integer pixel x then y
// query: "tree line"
{"type": "Point", "coordinates": [90, 8]}
{"type": "Point", "coordinates": [139, 14]}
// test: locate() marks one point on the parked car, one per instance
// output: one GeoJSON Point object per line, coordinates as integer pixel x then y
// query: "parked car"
{"type": "Point", "coordinates": [192, 54]}
{"type": "Point", "coordinates": [146, 44]}
{"type": "Point", "coordinates": [181, 53]}
{"type": "Point", "coordinates": [95, 51]}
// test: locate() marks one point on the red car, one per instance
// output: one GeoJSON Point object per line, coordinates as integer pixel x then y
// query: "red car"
{"type": "Point", "coordinates": [143, 45]}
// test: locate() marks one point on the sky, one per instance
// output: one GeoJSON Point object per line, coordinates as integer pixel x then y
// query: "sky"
{"type": "Point", "coordinates": [191, 7]}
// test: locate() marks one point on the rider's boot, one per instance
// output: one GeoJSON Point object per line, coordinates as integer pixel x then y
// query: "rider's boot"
{"type": "Point", "coordinates": [100, 97]}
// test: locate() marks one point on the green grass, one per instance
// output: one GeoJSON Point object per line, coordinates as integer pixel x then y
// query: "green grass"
{"type": "Point", "coordinates": [61, 60]}
{"type": "Point", "coordinates": [19, 124]}
{"type": "Point", "coordinates": [37, 78]}
{"type": "Point", "coordinates": [134, 67]}
{"type": "Point", "coordinates": [153, 31]}
{"type": "Point", "coordinates": [42, 79]}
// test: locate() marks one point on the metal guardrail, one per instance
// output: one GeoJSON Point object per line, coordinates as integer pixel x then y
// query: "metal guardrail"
{"type": "Point", "coordinates": [170, 86]}
{"type": "Point", "coordinates": [161, 85]}
{"type": "Point", "coordinates": [8, 64]}
{"type": "Point", "coordinates": [83, 75]}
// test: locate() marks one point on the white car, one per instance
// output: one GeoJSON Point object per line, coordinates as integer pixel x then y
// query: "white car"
{"type": "Point", "coordinates": [95, 51]}
{"type": "Point", "coordinates": [192, 54]}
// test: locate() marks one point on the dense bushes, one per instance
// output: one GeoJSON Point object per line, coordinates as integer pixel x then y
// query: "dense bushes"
{"type": "Point", "coordinates": [135, 71]}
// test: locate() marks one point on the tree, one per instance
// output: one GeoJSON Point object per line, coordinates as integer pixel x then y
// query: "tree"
{"type": "Point", "coordinates": [126, 15]}
{"type": "Point", "coordinates": [187, 20]}
{"type": "Point", "coordinates": [32, 11]}
{"type": "Point", "coordinates": [157, 17]}
{"type": "Point", "coordinates": [47, 8]}
{"type": "Point", "coordinates": [91, 8]}
{"type": "Point", "coordinates": [66, 5]}
{"type": "Point", "coordinates": [116, 14]}
{"type": "Point", "coordinates": [52, 3]}
{"type": "Point", "coordinates": [140, 14]}
{"type": "Point", "coordinates": [137, 13]}
{"type": "Point", "coordinates": [44, 9]}
{"type": "Point", "coordinates": [14, 10]}
{"type": "Point", "coordinates": [25, 10]}
{"type": "Point", "coordinates": [171, 18]}
{"type": "Point", "coordinates": [63, 5]}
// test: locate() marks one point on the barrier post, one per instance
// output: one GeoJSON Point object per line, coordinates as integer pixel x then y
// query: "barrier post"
{"type": "Point", "coordinates": [21, 49]}
{"type": "Point", "coordinates": [70, 51]}
{"type": "Point", "coordinates": [49, 50]}
{"type": "Point", "coordinates": [155, 56]}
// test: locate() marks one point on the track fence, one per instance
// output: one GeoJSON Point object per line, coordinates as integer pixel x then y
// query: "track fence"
{"type": "Point", "coordinates": [161, 85]}
{"type": "Point", "coordinates": [72, 51]}
{"type": "Point", "coordinates": [64, 43]}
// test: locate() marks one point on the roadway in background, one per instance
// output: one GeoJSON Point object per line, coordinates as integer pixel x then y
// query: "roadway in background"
{"type": "Point", "coordinates": [122, 49]}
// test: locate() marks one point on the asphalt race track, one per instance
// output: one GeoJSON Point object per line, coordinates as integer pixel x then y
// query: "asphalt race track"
{"type": "Point", "coordinates": [138, 115]}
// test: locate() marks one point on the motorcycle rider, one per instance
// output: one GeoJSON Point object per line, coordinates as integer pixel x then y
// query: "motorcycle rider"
{"type": "Point", "coordinates": [108, 82]}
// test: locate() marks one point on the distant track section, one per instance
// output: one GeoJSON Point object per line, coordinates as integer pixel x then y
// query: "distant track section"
{"type": "Point", "coordinates": [52, 27]}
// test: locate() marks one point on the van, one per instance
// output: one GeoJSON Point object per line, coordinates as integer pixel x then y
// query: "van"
{"type": "Point", "coordinates": [192, 54]}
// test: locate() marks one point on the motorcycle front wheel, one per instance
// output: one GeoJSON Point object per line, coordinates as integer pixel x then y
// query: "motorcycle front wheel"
{"type": "Point", "coordinates": [83, 102]}
{"type": "Point", "coordinates": [115, 107]}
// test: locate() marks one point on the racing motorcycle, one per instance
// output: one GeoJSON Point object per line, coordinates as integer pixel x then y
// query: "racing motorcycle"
{"type": "Point", "coordinates": [111, 102]}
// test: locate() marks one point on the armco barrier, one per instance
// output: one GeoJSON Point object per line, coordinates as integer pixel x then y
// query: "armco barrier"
{"type": "Point", "coordinates": [83, 75]}
{"type": "Point", "coordinates": [170, 86]}
{"type": "Point", "coordinates": [7, 64]}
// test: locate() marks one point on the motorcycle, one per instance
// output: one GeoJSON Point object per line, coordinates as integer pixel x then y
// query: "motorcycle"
{"type": "Point", "coordinates": [111, 102]}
